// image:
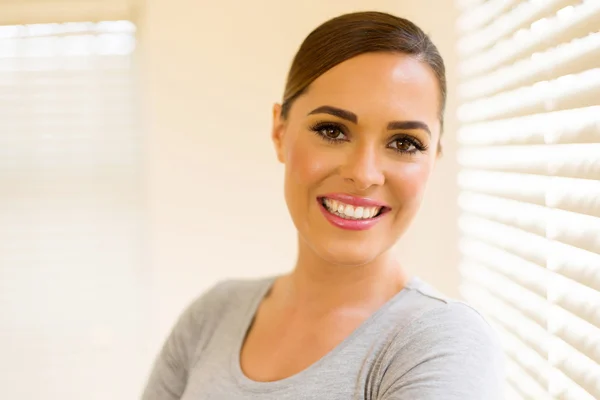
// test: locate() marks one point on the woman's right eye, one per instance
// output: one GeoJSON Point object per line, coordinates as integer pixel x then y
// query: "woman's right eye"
{"type": "Point", "coordinates": [330, 132]}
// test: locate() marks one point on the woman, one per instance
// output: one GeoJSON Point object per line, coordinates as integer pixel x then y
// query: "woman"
{"type": "Point", "coordinates": [359, 133]}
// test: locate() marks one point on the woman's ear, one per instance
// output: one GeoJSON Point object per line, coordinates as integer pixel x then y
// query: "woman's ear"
{"type": "Point", "coordinates": [278, 131]}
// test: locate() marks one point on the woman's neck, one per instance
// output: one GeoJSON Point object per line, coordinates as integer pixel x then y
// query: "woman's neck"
{"type": "Point", "coordinates": [317, 285]}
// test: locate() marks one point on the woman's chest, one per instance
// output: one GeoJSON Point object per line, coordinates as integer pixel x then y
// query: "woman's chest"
{"type": "Point", "coordinates": [269, 355]}
{"type": "Point", "coordinates": [217, 377]}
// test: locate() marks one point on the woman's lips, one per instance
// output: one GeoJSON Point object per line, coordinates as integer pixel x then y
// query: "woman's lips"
{"type": "Point", "coordinates": [354, 200]}
{"type": "Point", "coordinates": [350, 212]}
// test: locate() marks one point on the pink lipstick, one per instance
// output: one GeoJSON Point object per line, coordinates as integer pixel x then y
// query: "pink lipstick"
{"type": "Point", "coordinates": [351, 212]}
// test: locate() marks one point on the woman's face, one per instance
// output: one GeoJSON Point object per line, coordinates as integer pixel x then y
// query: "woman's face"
{"type": "Point", "coordinates": [358, 147]}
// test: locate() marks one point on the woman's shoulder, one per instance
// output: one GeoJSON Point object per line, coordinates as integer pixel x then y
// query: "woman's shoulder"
{"type": "Point", "coordinates": [434, 314]}
{"type": "Point", "coordinates": [222, 303]}
{"type": "Point", "coordinates": [452, 322]}
{"type": "Point", "coordinates": [447, 346]}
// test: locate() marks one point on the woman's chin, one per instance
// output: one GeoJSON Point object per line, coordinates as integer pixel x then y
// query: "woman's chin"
{"type": "Point", "coordinates": [346, 254]}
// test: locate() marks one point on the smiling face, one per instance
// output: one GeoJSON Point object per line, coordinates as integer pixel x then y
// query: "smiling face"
{"type": "Point", "coordinates": [358, 147]}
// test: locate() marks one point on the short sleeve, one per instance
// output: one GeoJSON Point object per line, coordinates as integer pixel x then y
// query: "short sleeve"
{"type": "Point", "coordinates": [168, 378]}
{"type": "Point", "coordinates": [450, 353]}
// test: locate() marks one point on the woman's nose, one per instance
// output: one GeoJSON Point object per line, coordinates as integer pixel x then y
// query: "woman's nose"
{"type": "Point", "coordinates": [363, 168]}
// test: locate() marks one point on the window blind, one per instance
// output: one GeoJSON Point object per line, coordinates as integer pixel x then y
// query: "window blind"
{"type": "Point", "coordinates": [530, 187]}
{"type": "Point", "coordinates": [71, 286]}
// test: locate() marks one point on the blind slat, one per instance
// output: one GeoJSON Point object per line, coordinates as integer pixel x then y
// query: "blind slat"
{"type": "Point", "coordinates": [526, 245]}
{"type": "Point", "coordinates": [575, 298]}
{"type": "Point", "coordinates": [564, 160]}
{"type": "Point", "coordinates": [579, 22]}
{"type": "Point", "coordinates": [579, 230]}
{"type": "Point", "coordinates": [529, 363]}
{"type": "Point", "coordinates": [479, 16]}
{"type": "Point", "coordinates": [567, 126]}
{"type": "Point", "coordinates": [527, 217]}
{"type": "Point", "coordinates": [579, 368]}
{"type": "Point", "coordinates": [529, 183]}
{"type": "Point", "coordinates": [565, 59]}
{"type": "Point", "coordinates": [574, 263]}
{"type": "Point", "coordinates": [576, 195]}
{"type": "Point", "coordinates": [577, 332]}
{"type": "Point", "coordinates": [570, 91]}
{"type": "Point", "coordinates": [523, 272]}
{"type": "Point", "coordinates": [530, 304]}
{"type": "Point", "coordinates": [520, 15]}
{"type": "Point", "coordinates": [511, 319]}
{"type": "Point", "coordinates": [528, 188]}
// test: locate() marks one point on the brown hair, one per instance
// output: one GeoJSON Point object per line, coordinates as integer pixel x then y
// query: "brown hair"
{"type": "Point", "coordinates": [350, 35]}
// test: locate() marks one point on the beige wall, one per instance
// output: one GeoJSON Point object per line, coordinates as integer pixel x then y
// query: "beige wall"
{"type": "Point", "coordinates": [15, 12]}
{"type": "Point", "coordinates": [213, 70]}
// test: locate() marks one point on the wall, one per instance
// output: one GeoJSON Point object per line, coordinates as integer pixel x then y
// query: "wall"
{"type": "Point", "coordinates": [213, 188]}
{"type": "Point", "coordinates": [213, 70]}
{"type": "Point", "coordinates": [15, 12]}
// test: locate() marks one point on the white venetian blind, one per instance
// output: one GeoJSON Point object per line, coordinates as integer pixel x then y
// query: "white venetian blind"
{"type": "Point", "coordinates": [530, 187]}
{"type": "Point", "coordinates": [71, 283]}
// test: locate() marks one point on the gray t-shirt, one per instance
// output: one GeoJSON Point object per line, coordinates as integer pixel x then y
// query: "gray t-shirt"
{"type": "Point", "coordinates": [417, 346]}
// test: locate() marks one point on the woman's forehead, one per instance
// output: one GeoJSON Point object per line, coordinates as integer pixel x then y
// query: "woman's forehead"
{"type": "Point", "coordinates": [385, 83]}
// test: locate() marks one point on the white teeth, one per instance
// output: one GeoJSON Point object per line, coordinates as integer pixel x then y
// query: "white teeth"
{"type": "Point", "coordinates": [350, 212]}
{"type": "Point", "coordinates": [358, 212]}
{"type": "Point", "coordinates": [334, 204]}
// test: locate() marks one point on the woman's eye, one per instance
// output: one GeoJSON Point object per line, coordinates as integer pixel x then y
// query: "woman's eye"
{"type": "Point", "coordinates": [404, 146]}
{"type": "Point", "coordinates": [331, 132]}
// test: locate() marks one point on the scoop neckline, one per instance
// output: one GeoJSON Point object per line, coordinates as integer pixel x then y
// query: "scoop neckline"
{"type": "Point", "coordinates": [246, 383]}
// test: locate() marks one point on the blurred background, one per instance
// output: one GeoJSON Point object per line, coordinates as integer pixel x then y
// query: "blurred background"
{"type": "Point", "coordinates": [136, 170]}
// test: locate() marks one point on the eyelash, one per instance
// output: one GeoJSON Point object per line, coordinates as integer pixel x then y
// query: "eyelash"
{"type": "Point", "coordinates": [320, 126]}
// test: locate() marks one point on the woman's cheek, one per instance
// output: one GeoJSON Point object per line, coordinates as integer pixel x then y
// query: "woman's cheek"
{"type": "Point", "coordinates": [307, 164]}
{"type": "Point", "coordinates": [410, 180]}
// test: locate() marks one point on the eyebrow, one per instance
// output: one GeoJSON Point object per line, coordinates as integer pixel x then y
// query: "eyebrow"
{"type": "Point", "coordinates": [338, 112]}
{"type": "Point", "coordinates": [409, 125]}
{"type": "Point", "coordinates": [350, 116]}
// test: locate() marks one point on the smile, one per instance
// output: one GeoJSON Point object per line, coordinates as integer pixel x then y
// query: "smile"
{"type": "Point", "coordinates": [350, 212]}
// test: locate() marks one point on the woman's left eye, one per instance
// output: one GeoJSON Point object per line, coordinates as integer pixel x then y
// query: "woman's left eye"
{"type": "Point", "coordinates": [332, 133]}
{"type": "Point", "coordinates": [404, 145]}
